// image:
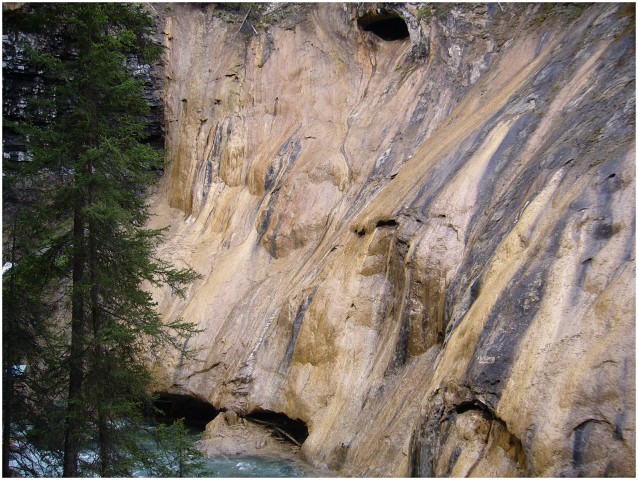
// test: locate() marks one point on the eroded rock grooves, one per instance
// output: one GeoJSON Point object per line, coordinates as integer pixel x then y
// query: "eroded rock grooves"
{"type": "Point", "coordinates": [424, 249]}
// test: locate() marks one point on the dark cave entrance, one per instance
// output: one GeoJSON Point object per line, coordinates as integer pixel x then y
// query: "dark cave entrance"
{"type": "Point", "coordinates": [287, 429]}
{"type": "Point", "coordinates": [195, 412]}
{"type": "Point", "coordinates": [387, 27]}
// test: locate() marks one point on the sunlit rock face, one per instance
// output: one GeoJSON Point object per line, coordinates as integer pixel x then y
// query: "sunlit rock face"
{"type": "Point", "coordinates": [422, 247]}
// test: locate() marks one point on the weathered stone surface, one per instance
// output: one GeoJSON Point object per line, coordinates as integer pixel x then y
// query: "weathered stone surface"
{"type": "Point", "coordinates": [222, 438]}
{"type": "Point", "coordinates": [232, 418]}
{"type": "Point", "coordinates": [422, 248]}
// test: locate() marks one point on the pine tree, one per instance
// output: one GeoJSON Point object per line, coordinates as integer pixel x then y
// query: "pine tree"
{"type": "Point", "coordinates": [177, 455]}
{"type": "Point", "coordinates": [28, 339]}
{"type": "Point", "coordinates": [91, 169]}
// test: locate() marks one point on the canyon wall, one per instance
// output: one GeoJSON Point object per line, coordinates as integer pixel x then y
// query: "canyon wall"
{"type": "Point", "coordinates": [421, 247]}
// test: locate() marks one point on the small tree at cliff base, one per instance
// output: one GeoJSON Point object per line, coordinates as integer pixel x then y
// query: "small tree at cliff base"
{"type": "Point", "coordinates": [77, 315]}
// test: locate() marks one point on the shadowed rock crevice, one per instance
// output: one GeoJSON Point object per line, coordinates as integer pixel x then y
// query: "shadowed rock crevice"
{"type": "Point", "coordinates": [283, 427]}
{"type": "Point", "coordinates": [195, 412]}
{"type": "Point", "coordinates": [388, 27]}
{"type": "Point", "coordinates": [387, 223]}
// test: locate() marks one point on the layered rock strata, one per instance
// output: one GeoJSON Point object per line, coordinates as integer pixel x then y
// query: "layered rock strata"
{"type": "Point", "coordinates": [423, 247]}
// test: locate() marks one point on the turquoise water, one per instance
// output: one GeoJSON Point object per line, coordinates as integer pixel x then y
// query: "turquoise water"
{"type": "Point", "coordinates": [215, 467]}
{"type": "Point", "coordinates": [44, 463]}
{"type": "Point", "coordinates": [247, 466]}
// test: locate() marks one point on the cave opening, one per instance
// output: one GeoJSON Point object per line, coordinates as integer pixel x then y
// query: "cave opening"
{"type": "Point", "coordinates": [285, 428]}
{"type": "Point", "coordinates": [387, 223]}
{"type": "Point", "coordinates": [196, 413]}
{"type": "Point", "coordinates": [388, 27]}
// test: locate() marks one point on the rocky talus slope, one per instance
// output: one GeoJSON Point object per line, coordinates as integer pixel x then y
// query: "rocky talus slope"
{"type": "Point", "coordinates": [422, 246]}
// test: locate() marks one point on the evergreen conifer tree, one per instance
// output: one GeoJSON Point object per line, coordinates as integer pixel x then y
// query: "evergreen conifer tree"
{"type": "Point", "coordinates": [81, 254]}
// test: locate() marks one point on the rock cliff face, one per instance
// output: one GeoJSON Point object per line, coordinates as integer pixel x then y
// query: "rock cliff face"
{"type": "Point", "coordinates": [421, 247]}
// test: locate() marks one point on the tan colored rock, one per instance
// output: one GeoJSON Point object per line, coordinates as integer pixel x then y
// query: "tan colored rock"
{"type": "Point", "coordinates": [428, 257]}
{"type": "Point", "coordinates": [246, 438]}
{"type": "Point", "coordinates": [231, 418]}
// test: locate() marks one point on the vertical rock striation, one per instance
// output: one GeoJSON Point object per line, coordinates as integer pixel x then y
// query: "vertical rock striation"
{"type": "Point", "coordinates": [422, 247]}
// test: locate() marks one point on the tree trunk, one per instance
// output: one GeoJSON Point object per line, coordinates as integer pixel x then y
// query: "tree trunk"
{"type": "Point", "coordinates": [104, 446]}
{"type": "Point", "coordinates": [78, 330]}
{"type": "Point", "coordinates": [9, 359]}
{"type": "Point", "coordinates": [6, 418]}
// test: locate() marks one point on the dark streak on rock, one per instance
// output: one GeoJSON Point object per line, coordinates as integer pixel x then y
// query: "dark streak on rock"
{"type": "Point", "coordinates": [580, 443]}
{"type": "Point", "coordinates": [296, 327]}
{"type": "Point", "coordinates": [514, 142]}
{"type": "Point", "coordinates": [288, 153]}
{"type": "Point", "coordinates": [271, 175]}
{"type": "Point", "coordinates": [453, 459]}
{"type": "Point", "coordinates": [208, 180]}
{"type": "Point", "coordinates": [433, 434]}
{"type": "Point", "coordinates": [401, 345]}
{"type": "Point", "coordinates": [507, 323]}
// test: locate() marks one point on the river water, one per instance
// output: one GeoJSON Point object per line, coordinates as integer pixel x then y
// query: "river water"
{"type": "Point", "coordinates": [213, 467]}
{"type": "Point", "coordinates": [240, 466]}
{"type": "Point", "coordinates": [243, 466]}
{"type": "Point", "coordinates": [42, 463]}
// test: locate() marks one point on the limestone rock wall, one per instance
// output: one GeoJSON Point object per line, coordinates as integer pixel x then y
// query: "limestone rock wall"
{"type": "Point", "coordinates": [422, 248]}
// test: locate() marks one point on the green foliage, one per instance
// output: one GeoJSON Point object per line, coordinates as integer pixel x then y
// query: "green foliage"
{"type": "Point", "coordinates": [574, 10]}
{"type": "Point", "coordinates": [570, 11]}
{"type": "Point", "coordinates": [425, 13]}
{"type": "Point", "coordinates": [443, 10]}
{"type": "Point", "coordinates": [75, 309]}
{"type": "Point", "coordinates": [176, 453]}
{"type": "Point", "coordinates": [232, 12]}
{"type": "Point", "coordinates": [283, 15]}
